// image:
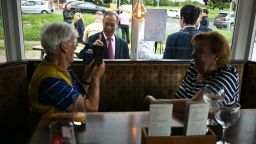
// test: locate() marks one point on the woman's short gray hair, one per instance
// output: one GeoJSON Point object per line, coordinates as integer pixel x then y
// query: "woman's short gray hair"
{"type": "Point", "coordinates": [53, 34]}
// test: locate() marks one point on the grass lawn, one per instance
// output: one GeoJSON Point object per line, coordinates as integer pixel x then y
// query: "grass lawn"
{"type": "Point", "coordinates": [32, 24]}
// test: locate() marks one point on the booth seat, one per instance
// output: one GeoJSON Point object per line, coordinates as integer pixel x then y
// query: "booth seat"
{"type": "Point", "coordinates": [14, 109]}
{"type": "Point", "coordinates": [123, 88]}
{"type": "Point", "coordinates": [126, 83]}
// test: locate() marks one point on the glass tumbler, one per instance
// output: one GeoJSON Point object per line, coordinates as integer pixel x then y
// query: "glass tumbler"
{"type": "Point", "coordinates": [79, 112]}
{"type": "Point", "coordinates": [62, 132]}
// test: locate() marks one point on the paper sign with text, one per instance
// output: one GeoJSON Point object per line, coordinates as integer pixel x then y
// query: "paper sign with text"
{"type": "Point", "coordinates": [160, 117]}
{"type": "Point", "coordinates": [196, 118]}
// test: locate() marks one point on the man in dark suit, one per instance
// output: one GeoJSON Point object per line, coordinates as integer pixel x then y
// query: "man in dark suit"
{"type": "Point", "coordinates": [203, 28]}
{"type": "Point", "coordinates": [205, 21]}
{"type": "Point", "coordinates": [178, 45]}
{"type": "Point", "coordinates": [199, 25]}
{"type": "Point", "coordinates": [114, 47]}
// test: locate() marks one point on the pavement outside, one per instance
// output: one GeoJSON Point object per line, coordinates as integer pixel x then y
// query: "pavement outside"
{"type": "Point", "coordinates": [34, 54]}
{"type": "Point", "coordinates": [28, 55]}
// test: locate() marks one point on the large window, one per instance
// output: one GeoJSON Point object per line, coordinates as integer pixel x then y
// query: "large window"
{"type": "Point", "coordinates": [2, 45]}
{"type": "Point", "coordinates": [253, 54]}
{"type": "Point", "coordinates": [221, 19]}
{"type": "Point", "coordinates": [33, 22]}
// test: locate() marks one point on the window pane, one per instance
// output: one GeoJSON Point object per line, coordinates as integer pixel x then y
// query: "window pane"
{"type": "Point", "coordinates": [254, 49]}
{"type": "Point", "coordinates": [2, 45]}
{"type": "Point", "coordinates": [33, 22]}
{"type": "Point", "coordinates": [221, 18]}
{"type": "Point", "coordinates": [34, 18]}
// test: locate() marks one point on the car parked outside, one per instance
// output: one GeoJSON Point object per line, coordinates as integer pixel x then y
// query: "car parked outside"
{"type": "Point", "coordinates": [87, 7]}
{"type": "Point", "coordinates": [173, 13]}
{"type": "Point", "coordinates": [126, 7]}
{"type": "Point", "coordinates": [36, 6]}
{"type": "Point", "coordinates": [224, 19]}
{"type": "Point", "coordinates": [71, 2]}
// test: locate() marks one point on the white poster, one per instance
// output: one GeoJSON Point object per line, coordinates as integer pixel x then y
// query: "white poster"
{"type": "Point", "coordinates": [155, 25]}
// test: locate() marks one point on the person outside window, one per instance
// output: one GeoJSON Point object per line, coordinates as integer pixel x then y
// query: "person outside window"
{"type": "Point", "coordinates": [114, 46]}
{"type": "Point", "coordinates": [95, 27]}
{"type": "Point", "coordinates": [68, 14]}
{"type": "Point", "coordinates": [199, 26]}
{"type": "Point", "coordinates": [146, 49]}
{"type": "Point", "coordinates": [178, 45]}
{"type": "Point", "coordinates": [124, 20]}
{"type": "Point", "coordinates": [205, 20]}
{"type": "Point", "coordinates": [79, 26]}
{"type": "Point", "coordinates": [118, 12]}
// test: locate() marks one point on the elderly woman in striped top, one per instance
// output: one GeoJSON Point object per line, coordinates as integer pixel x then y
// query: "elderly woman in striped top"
{"type": "Point", "coordinates": [210, 65]}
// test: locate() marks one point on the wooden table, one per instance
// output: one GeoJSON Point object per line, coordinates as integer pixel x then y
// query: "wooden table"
{"type": "Point", "coordinates": [125, 128]}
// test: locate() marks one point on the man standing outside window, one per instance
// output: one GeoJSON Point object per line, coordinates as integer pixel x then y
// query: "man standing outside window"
{"type": "Point", "coordinates": [199, 26]}
{"type": "Point", "coordinates": [68, 14]}
{"type": "Point", "coordinates": [95, 27]}
{"type": "Point", "coordinates": [114, 46]}
{"type": "Point", "coordinates": [124, 18]}
{"type": "Point", "coordinates": [205, 21]}
{"type": "Point", "coordinates": [178, 45]}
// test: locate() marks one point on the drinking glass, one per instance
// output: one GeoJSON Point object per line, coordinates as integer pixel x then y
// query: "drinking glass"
{"type": "Point", "coordinates": [227, 116]}
{"type": "Point", "coordinates": [62, 132]}
{"type": "Point", "coordinates": [213, 98]}
{"type": "Point", "coordinates": [79, 112]}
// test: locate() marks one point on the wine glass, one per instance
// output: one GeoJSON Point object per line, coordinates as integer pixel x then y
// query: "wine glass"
{"type": "Point", "coordinates": [213, 97]}
{"type": "Point", "coordinates": [227, 116]}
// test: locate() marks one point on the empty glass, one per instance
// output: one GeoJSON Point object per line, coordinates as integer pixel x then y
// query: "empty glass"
{"type": "Point", "coordinates": [227, 116]}
{"type": "Point", "coordinates": [213, 98]}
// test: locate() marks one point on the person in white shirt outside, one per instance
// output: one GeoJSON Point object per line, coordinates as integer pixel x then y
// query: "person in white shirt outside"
{"type": "Point", "coordinates": [124, 20]}
{"type": "Point", "coordinates": [146, 49]}
{"type": "Point", "coordinates": [95, 27]}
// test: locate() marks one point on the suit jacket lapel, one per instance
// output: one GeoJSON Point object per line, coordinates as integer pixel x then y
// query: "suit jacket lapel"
{"type": "Point", "coordinates": [117, 48]}
{"type": "Point", "coordinates": [103, 39]}
{"type": "Point", "coordinates": [105, 45]}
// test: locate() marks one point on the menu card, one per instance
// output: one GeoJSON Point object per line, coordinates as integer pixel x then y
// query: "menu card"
{"type": "Point", "coordinates": [196, 116]}
{"type": "Point", "coordinates": [160, 117]}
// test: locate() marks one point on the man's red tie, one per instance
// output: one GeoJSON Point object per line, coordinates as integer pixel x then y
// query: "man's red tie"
{"type": "Point", "coordinates": [110, 49]}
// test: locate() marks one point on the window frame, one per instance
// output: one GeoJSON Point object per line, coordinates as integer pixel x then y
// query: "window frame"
{"type": "Point", "coordinates": [242, 43]}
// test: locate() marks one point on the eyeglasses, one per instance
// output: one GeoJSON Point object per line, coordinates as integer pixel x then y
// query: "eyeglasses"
{"type": "Point", "coordinates": [74, 42]}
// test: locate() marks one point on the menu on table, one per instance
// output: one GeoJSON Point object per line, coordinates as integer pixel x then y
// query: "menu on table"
{"type": "Point", "coordinates": [196, 118]}
{"type": "Point", "coordinates": [160, 117]}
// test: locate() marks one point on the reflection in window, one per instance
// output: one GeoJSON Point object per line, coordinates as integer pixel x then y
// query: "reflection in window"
{"type": "Point", "coordinates": [254, 49]}
{"type": "Point", "coordinates": [2, 45]}
{"type": "Point", "coordinates": [29, 4]}
{"type": "Point", "coordinates": [32, 23]}
{"type": "Point", "coordinates": [221, 20]}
